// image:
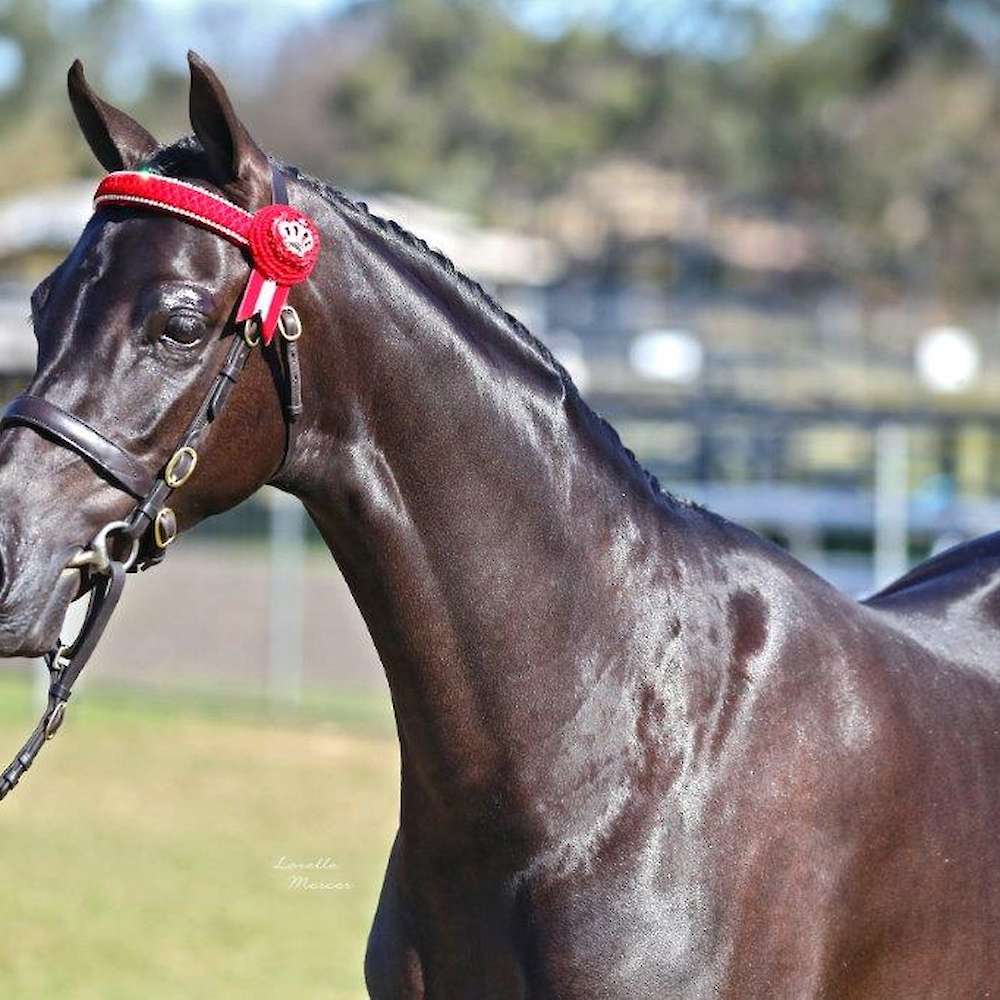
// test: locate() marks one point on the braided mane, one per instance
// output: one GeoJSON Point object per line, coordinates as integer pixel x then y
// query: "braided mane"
{"type": "Point", "coordinates": [186, 157]}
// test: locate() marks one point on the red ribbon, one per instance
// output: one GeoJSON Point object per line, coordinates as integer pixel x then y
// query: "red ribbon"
{"type": "Point", "coordinates": [283, 242]}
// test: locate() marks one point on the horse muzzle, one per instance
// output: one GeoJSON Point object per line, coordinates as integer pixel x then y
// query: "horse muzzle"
{"type": "Point", "coordinates": [30, 618]}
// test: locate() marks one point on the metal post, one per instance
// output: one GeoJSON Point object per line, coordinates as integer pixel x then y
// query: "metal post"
{"type": "Point", "coordinates": [891, 502]}
{"type": "Point", "coordinates": [39, 684]}
{"type": "Point", "coordinates": [287, 619]}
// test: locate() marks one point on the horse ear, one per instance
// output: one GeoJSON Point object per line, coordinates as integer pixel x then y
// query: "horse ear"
{"type": "Point", "coordinates": [238, 164]}
{"type": "Point", "coordinates": [118, 141]}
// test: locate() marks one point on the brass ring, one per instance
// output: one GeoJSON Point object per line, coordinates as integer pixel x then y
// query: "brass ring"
{"type": "Point", "coordinates": [252, 340]}
{"type": "Point", "coordinates": [95, 556]}
{"type": "Point", "coordinates": [166, 521]}
{"type": "Point", "coordinates": [170, 477]}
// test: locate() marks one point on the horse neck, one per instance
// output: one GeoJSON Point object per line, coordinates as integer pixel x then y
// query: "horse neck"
{"type": "Point", "coordinates": [507, 554]}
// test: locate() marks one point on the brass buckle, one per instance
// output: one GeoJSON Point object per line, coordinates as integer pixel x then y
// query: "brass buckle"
{"type": "Point", "coordinates": [170, 476]}
{"type": "Point", "coordinates": [165, 528]}
{"type": "Point", "coordinates": [290, 324]}
{"type": "Point", "coordinates": [252, 339]}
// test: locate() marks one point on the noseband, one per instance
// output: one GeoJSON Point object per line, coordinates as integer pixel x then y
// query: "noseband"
{"type": "Point", "coordinates": [283, 245]}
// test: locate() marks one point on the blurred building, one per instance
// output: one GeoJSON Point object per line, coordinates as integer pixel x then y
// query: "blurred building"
{"type": "Point", "coordinates": [39, 228]}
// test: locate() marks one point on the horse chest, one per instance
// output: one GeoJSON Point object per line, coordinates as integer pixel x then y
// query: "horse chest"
{"type": "Point", "coordinates": [609, 934]}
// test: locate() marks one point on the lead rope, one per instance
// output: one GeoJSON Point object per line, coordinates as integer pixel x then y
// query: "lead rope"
{"type": "Point", "coordinates": [65, 666]}
{"type": "Point", "coordinates": [66, 663]}
{"type": "Point", "coordinates": [106, 572]}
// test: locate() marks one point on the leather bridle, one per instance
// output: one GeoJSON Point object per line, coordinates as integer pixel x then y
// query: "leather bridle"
{"type": "Point", "coordinates": [117, 548]}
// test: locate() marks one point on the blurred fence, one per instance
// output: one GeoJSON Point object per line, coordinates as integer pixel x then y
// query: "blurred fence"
{"type": "Point", "coordinates": [222, 615]}
{"type": "Point", "coordinates": [241, 607]}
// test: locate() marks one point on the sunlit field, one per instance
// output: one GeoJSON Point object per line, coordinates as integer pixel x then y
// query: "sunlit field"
{"type": "Point", "coordinates": [147, 853]}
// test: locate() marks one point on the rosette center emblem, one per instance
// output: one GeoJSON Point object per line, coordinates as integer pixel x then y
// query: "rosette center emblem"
{"type": "Point", "coordinates": [296, 236]}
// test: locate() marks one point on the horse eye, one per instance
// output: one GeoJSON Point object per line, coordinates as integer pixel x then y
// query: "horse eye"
{"type": "Point", "coordinates": [184, 328]}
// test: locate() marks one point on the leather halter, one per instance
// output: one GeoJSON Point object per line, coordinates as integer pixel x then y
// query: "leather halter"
{"type": "Point", "coordinates": [151, 514]}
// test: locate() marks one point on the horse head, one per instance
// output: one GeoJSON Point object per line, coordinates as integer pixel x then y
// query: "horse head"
{"type": "Point", "coordinates": [132, 329]}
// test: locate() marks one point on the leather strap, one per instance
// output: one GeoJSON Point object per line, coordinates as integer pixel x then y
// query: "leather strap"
{"type": "Point", "coordinates": [151, 504]}
{"type": "Point", "coordinates": [152, 494]}
{"type": "Point", "coordinates": [293, 402]}
{"type": "Point", "coordinates": [65, 667]}
{"type": "Point", "coordinates": [279, 186]}
{"type": "Point", "coordinates": [293, 369]}
{"type": "Point", "coordinates": [109, 459]}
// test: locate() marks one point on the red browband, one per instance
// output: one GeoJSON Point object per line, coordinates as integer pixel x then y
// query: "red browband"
{"type": "Point", "coordinates": [283, 242]}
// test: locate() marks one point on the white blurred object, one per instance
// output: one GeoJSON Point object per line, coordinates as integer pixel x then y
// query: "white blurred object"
{"type": "Point", "coordinates": [947, 359]}
{"type": "Point", "coordinates": [45, 218]}
{"type": "Point", "coordinates": [667, 355]}
{"type": "Point", "coordinates": [493, 256]}
{"type": "Point", "coordinates": [568, 349]}
{"type": "Point", "coordinates": [286, 662]}
{"type": "Point", "coordinates": [17, 343]}
{"type": "Point", "coordinates": [892, 509]}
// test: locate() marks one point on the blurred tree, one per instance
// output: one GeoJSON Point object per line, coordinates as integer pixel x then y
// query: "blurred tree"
{"type": "Point", "coordinates": [456, 101]}
{"type": "Point", "coordinates": [38, 41]}
{"type": "Point", "coordinates": [881, 125]}
{"type": "Point", "coordinates": [453, 100]}
{"type": "Point", "coordinates": [877, 125]}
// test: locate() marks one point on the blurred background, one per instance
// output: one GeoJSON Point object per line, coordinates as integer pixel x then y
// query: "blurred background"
{"type": "Point", "coordinates": [762, 236]}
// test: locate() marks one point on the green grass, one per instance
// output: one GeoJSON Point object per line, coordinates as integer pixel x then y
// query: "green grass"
{"type": "Point", "coordinates": [139, 853]}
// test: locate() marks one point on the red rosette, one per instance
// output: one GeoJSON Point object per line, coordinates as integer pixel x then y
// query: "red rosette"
{"type": "Point", "coordinates": [284, 244]}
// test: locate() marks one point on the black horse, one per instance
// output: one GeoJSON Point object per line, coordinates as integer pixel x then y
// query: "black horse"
{"type": "Point", "coordinates": [644, 752]}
